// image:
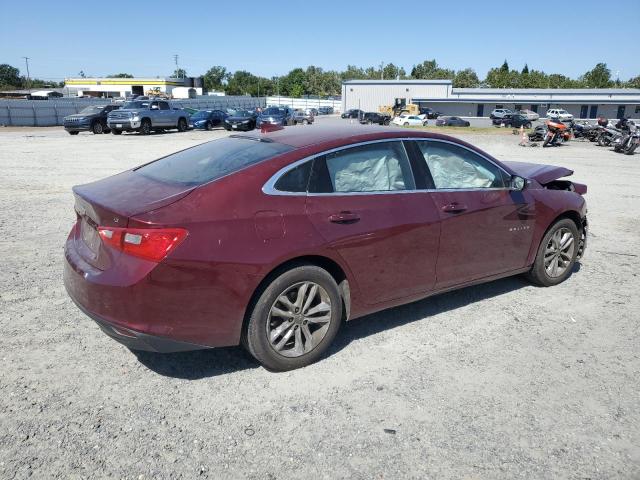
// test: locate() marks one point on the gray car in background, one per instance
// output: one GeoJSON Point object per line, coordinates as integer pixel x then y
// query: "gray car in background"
{"type": "Point", "coordinates": [300, 116]}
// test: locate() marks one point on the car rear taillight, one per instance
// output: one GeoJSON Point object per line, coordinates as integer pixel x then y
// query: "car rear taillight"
{"type": "Point", "coordinates": [149, 243]}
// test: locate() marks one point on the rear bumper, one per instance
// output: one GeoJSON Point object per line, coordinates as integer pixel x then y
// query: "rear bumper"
{"type": "Point", "coordinates": [138, 340]}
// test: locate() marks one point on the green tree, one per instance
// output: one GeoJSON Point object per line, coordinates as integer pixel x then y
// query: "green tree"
{"type": "Point", "coordinates": [633, 82]}
{"type": "Point", "coordinates": [430, 70]}
{"type": "Point", "coordinates": [353, 73]}
{"type": "Point", "coordinates": [466, 78]}
{"type": "Point", "coordinates": [525, 69]}
{"type": "Point", "coordinates": [505, 66]}
{"type": "Point", "coordinates": [179, 73]}
{"type": "Point", "coordinates": [9, 77]}
{"type": "Point", "coordinates": [81, 74]}
{"type": "Point", "coordinates": [215, 78]}
{"type": "Point", "coordinates": [598, 77]}
{"type": "Point", "coordinates": [120, 75]}
{"type": "Point", "coordinates": [293, 83]}
{"type": "Point", "coordinates": [391, 72]}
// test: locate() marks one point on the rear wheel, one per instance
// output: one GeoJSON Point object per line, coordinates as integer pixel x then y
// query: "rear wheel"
{"type": "Point", "coordinates": [208, 126]}
{"type": "Point", "coordinates": [97, 128]}
{"type": "Point", "coordinates": [406, 124]}
{"type": "Point", "coordinates": [295, 319]}
{"type": "Point", "coordinates": [145, 127]}
{"type": "Point", "coordinates": [556, 254]}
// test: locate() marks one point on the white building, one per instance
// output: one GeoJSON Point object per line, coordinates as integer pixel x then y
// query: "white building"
{"type": "Point", "coordinates": [369, 95]}
{"type": "Point", "coordinates": [122, 87]}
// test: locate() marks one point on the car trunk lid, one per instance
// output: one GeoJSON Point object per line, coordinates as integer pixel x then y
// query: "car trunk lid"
{"type": "Point", "coordinates": [111, 202]}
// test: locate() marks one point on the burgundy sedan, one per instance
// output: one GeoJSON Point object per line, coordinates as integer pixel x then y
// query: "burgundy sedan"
{"type": "Point", "coordinates": [274, 239]}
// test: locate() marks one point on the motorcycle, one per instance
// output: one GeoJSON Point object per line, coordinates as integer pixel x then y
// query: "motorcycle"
{"type": "Point", "coordinates": [608, 135]}
{"type": "Point", "coordinates": [557, 133]}
{"type": "Point", "coordinates": [629, 140]}
{"type": "Point", "coordinates": [585, 130]}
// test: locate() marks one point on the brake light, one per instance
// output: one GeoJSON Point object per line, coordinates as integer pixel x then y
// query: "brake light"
{"type": "Point", "coordinates": [149, 243]}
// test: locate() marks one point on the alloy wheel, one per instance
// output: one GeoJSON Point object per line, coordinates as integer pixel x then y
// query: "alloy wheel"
{"type": "Point", "coordinates": [299, 319]}
{"type": "Point", "coordinates": [558, 253]}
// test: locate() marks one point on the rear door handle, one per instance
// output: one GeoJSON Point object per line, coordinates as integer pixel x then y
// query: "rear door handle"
{"type": "Point", "coordinates": [344, 217]}
{"type": "Point", "coordinates": [454, 208]}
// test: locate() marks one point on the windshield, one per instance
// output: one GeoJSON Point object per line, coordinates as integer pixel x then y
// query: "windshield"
{"type": "Point", "coordinates": [212, 160]}
{"type": "Point", "coordinates": [134, 105]}
{"type": "Point", "coordinates": [241, 113]}
{"type": "Point", "coordinates": [200, 114]}
{"type": "Point", "coordinates": [94, 109]}
{"type": "Point", "coordinates": [273, 111]}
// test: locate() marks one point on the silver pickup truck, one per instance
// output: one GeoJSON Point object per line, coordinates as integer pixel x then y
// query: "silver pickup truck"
{"type": "Point", "coordinates": [145, 116]}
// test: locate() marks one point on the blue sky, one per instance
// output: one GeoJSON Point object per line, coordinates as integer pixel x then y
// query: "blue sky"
{"type": "Point", "coordinates": [270, 38]}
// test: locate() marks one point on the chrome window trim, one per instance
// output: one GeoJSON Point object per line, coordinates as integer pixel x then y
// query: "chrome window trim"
{"type": "Point", "coordinates": [269, 187]}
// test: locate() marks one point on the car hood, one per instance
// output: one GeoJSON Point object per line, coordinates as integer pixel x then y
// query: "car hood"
{"type": "Point", "coordinates": [237, 119]}
{"type": "Point", "coordinates": [79, 115]}
{"type": "Point", "coordinates": [542, 174]}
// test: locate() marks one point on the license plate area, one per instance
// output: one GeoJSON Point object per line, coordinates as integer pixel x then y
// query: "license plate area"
{"type": "Point", "coordinates": [90, 236]}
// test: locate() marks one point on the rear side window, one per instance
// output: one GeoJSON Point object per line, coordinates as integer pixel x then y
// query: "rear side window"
{"type": "Point", "coordinates": [211, 160]}
{"type": "Point", "coordinates": [296, 179]}
{"type": "Point", "coordinates": [375, 167]}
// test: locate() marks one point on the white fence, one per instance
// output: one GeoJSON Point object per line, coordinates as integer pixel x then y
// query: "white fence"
{"type": "Point", "coordinates": [305, 102]}
{"type": "Point", "coordinates": [46, 113]}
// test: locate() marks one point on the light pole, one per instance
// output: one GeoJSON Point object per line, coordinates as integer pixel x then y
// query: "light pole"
{"type": "Point", "coordinates": [26, 61]}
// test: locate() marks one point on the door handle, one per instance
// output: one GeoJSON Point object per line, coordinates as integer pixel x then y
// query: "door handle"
{"type": "Point", "coordinates": [344, 217]}
{"type": "Point", "coordinates": [454, 208]}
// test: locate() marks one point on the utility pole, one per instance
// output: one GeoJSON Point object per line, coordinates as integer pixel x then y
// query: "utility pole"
{"type": "Point", "coordinates": [175, 59]}
{"type": "Point", "coordinates": [381, 70]}
{"type": "Point", "coordinates": [26, 60]}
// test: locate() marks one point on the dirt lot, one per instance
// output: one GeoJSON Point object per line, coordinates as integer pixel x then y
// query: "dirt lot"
{"type": "Point", "coordinates": [503, 380]}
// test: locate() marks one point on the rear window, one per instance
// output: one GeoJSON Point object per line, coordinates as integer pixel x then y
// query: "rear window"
{"type": "Point", "coordinates": [211, 160]}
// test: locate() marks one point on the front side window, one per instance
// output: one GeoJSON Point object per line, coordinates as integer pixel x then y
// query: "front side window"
{"type": "Point", "coordinates": [375, 167]}
{"type": "Point", "coordinates": [455, 167]}
{"type": "Point", "coordinates": [163, 105]}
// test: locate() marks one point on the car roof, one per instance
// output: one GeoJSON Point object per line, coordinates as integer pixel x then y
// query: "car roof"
{"type": "Point", "coordinates": [323, 135]}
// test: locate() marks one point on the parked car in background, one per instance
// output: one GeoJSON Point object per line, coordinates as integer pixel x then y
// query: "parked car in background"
{"type": "Point", "coordinates": [276, 116]}
{"type": "Point", "coordinates": [301, 116]}
{"type": "Point", "coordinates": [430, 113]}
{"type": "Point", "coordinates": [89, 119]}
{"type": "Point", "coordinates": [499, 113]}
{"type": "Point", "coordinates": [352, 113]}
{"type": "Point", "coordinates": [513, 120]}
{"type": "Point", "coordinates": [529, 114]}
{"type": "Point", "coordinates": [240, 120]}
{"type": "Point", "coordinates": [146, 116]}
{"type": "Point", "coordinates": [409, 120]}
{"type": "Point", "coordinates": [264, 239]}
{"type": "Point", "coordinates": [559, 113]}
{"type": "Point", "coordinates": [311, 111]}
{"type": "Point", "coordinates": [369, 118]}
{"type": "Point", "coordinates": [452, 122]}
{"type": "Point", "coordinates": [207, 119]}
{"type": "Point", "coordinates": [325, 110]}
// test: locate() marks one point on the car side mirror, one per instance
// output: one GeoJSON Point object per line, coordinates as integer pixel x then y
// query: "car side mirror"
{"type": "Point", "coordinates": [517, 183]}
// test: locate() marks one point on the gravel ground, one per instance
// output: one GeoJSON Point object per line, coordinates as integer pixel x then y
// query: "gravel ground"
{"type": "Point", "coordinates": [503, 380]}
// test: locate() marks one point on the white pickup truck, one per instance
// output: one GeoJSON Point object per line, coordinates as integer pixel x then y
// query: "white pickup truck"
{"type": "Point", "coordinates": [145, 116]}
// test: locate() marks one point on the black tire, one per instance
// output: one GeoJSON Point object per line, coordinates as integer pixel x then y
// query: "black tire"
{"type": "Point", "coordinates": [256, 340]}
{"type": "Point", "coordinates": [369, 122]}
{"type": "Point", "coordinates": [527, 125]}
{"type": "Point", "coordinates": [182, 125]}
{"type": "Point", "coordinates": [208, 126]}
{"type": "Point", "coordinates": [547, 140]}
{"type": "Point", "coordinates": [602, 142]}
{"type": "Point", "coordinates": [406, 124]}
{"type": "Point", "coordinates": [116, 132]}
{"type": "Point", "coordinates": [74, 133]}
{"type": "Point", "coordinates": [538, 274]}
{"type": "Point", "coordinates": [97, 128]}
{"type": "Point", "coordinates": [631, 148]}
{"type": "Point", "coordinates": [145, 127]}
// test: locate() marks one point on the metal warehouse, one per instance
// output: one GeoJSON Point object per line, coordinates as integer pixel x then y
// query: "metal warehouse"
{"type": "Point", "coordinates": [369, 95]}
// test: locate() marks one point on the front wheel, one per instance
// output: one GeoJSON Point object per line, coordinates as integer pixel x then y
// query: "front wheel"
{"type": "Point", "coordinates": [182, 125]}
{"type": "Point", "coordinates": [97, 128]}
{"type": "Point", "coordinates": [406, 124]}
{"type": "Point", "coordinates": [145, 127]}
{"type": "Point", "coordinates": [556, 254]}
{"type": "Point", "coordinates": [547, 140]}
{"type": "Point", "coordinates": [208, 126]}
{"type": "Point", "coordinates": [602, 140]}
{"type": "Point", "coordinates": [295, 319]}
{"type": "Point", "coordinates": [527, 125]}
